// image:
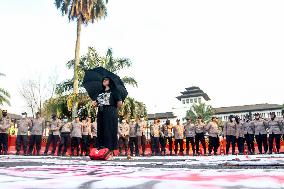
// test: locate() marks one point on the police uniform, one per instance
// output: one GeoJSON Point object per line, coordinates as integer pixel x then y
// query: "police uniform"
{"type": "Point", "coordinates": [94, 131]}
{"type": "Point", "coordinates": [5, 124]}
{"type": "Point", "coordinates": [22, 137]}
{"type": "Point", "coordinates": [249, 136]}
{"type": "Point", "coordinates": [274, 126]}
{"type": "Point", "coordinates": [76, 135]}
{"type": "Point", "coordinates": [37, 129]}
{"type": "Point", "coordinates": [260, 135]}
{"type": "Point", "coordinates": [213, 131]}
{"type": "Point", "coordinates": [86, 135]}
{"type": "Point", "coordinates": [199, 137]}
{"type": "Point", "coordinates": [133, 140]}
{"type": "Point", "coordinates": [179, 136]}
{"type": "Point", "coordinates": [240, 137]}
{"type": "Point", "coordinates": [155, 135]}
{"type": "Point", "coordinates": [163, 140]}
{"type": "Point", "coordinates": [123, 132]}
{"type": "Point", "coordinates": [167, 131]}
{"type": "Point", "coordinates": [189, 132]}
{"type": "Point", "coordinates": [141, 135]}
{"type": "Point", "coordinates": [230, 131]}
{"type": "Point", "coordinates": [65, 131]}
{"type": "Point", "coordinates": [54, 136]}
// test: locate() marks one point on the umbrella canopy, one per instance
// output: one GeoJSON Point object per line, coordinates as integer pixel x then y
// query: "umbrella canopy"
{"type": "Point", "coordinates": [93, 78]}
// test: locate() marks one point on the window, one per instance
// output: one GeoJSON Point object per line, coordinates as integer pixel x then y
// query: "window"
{"type": "Point", "coordinates": [187, 101]}
{"type": "Point", "coordinates": [183, 101]}
{"type": "Point", "coordinates": [195, 100]}
{"type": "Point", "coordinates": [199, 100]}
{"type": "Point", "coordinates": [191, 100]}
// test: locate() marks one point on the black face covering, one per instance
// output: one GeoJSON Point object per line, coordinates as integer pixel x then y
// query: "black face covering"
{"type": "Point", "coordinates": [4, 114]}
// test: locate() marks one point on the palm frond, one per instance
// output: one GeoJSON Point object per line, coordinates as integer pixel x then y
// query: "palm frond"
{"type": "Point", "coordinates": [130, 81]}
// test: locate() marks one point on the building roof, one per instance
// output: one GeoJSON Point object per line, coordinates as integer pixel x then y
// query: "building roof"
{"type": "Point", "coordinates": [164, 115]}
{"type": "Point", "coordinates": [193, 92]}
{"type": "Point", "coordinates": [247, 108]}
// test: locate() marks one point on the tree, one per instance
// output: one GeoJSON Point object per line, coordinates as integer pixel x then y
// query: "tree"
{"type": "Point", "coordinates": [83, 12]}
{"type": "Point", "coordinates": [35, 92]}
{"type": "Point", "coordinates": [132, 109]}
{"type": "Point", "coordinates": [200, 109]}
{"type": "Point", "coordinates": [4, 95]}
{"type": "Point", "coordinates": [92, 60]}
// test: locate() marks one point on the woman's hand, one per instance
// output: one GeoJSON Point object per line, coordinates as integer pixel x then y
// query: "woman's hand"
{"type": "Point", "coordinates": [94, 103]}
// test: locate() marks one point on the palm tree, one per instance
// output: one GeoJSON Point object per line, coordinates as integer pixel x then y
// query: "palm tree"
{"type": "Point", "coordinates": [132, 109]}
{"type": "Point", "coordinates": [92, 60]}
{"type": "Point", "coordinates": [203, 110]}
{"type": "Point", "coordinates": [4, 95]}
{"type": "Point", "coordinates": [83, 12]}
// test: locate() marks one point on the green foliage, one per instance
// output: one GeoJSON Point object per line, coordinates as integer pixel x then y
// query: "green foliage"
{"type": "Point", "coordinates": [87, 10]}
{"type": "Point", "coordinates": [92, 60]}
{"type": "Point", "coordinates": [203, 110]}
{"type": "Point", "coordinates": [4, 95]}
{"type": "Point", "coordinates": [132, 109]}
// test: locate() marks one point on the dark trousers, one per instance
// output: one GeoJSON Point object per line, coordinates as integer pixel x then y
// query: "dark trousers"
{"type": "Point", "coordinates": [75, 144]}
{"type": "Point", "coordinates": [3, 142]}
{"type": "Point", "coordinates": [250, 142]}
{"type": "Point", "coordinates": [133, 143]}
{"type": "Point", "coordinates": [155, 146]}
{"type": "Point", "coordinates": [191, 141]}
{"type": "Point", "coordinates": [199, 137]}
{"type": "Point", "coordinates": [180, 143]}
{"type": "Point", "coordinates": [22, 140]}
{"type": "Point", "coordinates": [94, 142]}
{"type": "Point", "coordinates": [261, 139]}
{"type": "Point", "coordinates": [35, 140]}
{"type": "Point", "coordinates": [85, 144]}
{"type": "Point", "coordinates": [213, 144]}
{"type": "Point", "coordinates": [230, 139]}
{"type": "Point", "coordinates": [51, 139]}
{"type": "Point", "coordinates": [123, 142]}
{"type": "Point", "coordinates": [277, 141]}
{"type": "Point", "coordinates": [241, 142]}
{"type": "Point", "coordinates": [142, 143]}
{"type": "Point", "coordinates": [170, 141]}
{"type": "Point", "coordinates": [64, 141]}
{"type": "Point", "coordinates": [163, 142]}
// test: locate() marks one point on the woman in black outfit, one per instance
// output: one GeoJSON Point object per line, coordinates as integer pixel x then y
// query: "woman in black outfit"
{"type": "Point", "coordinates": [108, 102]}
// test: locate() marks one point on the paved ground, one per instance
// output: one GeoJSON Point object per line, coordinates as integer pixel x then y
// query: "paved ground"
{"type": "Point", "coordinates": [221, 172]}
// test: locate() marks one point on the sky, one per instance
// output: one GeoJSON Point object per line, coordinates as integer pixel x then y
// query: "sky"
{"type": "Point", "coordinates": [232, 50]}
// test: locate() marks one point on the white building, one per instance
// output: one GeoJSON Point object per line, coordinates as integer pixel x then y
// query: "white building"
{"type": "Point", "coordinates": [163, 117]}
{"type": "Point", "coordinates": [191, 95]}
{"type": "Point", "coordinates": [264, 110]}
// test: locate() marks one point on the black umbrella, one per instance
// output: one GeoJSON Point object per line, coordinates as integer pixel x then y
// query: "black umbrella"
{"type": "Point", "coordinates": [93, 82]}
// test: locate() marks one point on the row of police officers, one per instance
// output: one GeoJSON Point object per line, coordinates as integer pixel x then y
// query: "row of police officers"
{"type": "Point", "coordinates": [60, 133]}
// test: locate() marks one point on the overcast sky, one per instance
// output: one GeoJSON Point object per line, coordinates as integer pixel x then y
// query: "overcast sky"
{"type": "Point", "coordinates": [233, 50]}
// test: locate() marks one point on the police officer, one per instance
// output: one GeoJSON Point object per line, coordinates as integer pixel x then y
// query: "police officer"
{"type": "Point", "coordinates": [133, 140]}
{"type": "Point", "coordinates": [167, 130]}
{"type": "Point", "coordinates": [163, 134]}
{"type": "Point", "coordinates": [249, 134]}
{"type": "Point", "coordinates": [199, 135]}
{"type": "Point", "coordinates": [76, 135]}
{"type": "Point", "coordinates": [37, 129]}
{"type": "Point", "coordinates": [94, 131]}
{"type": "Point", "coordinates": [54, 134]}
{"type": "Point", "coordinates": [230, 131]}
{"type": "Point", "coordinates": [213, 131]}
{"type": "Point", "coordinates": [260, 133]}
{"type": "Point", "coordinates": [189, 132]}
{"type": "Point", "coordinates": [274, 126]}
{"type": "Point", "coordinates": [141, 135]}
{"type": "Point", "coordinates": [65, 131]}
{"type": "Point", "coordinates": [240, 135]}
{"type": "Point", "coordinates": [5, 124]}
{"type": "Point", "coordinates": [179, 136]}
{"type": "Point", "coordinates": [86, 136]}
{"type": "Point", "coordinates": [123, 132]}
{"type": "Point", "coordinates": [155, 135]}
{"type": "Point", "coordinates": [22, 137]}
